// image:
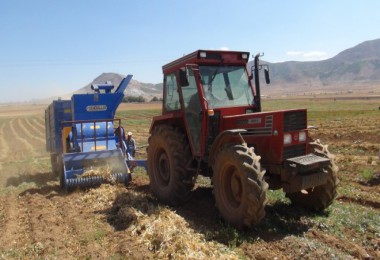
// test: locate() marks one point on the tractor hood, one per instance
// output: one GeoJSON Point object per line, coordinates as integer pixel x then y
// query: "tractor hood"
{"type": "Point", "coordinates": [265, 132]}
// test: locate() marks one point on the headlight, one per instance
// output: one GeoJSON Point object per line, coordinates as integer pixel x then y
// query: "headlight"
{"type": "Point", "coordinates": [302, 137]}
{"type": "Point", "coordinates": [287, 138]}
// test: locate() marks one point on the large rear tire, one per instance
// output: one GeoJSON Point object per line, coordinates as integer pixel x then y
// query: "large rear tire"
{"type": "Point", "coordinates": [320, 197]}
{"type": "Point", "coordinates": [169, 165]}
{"type": "Point", "coordinates": [239, 186]}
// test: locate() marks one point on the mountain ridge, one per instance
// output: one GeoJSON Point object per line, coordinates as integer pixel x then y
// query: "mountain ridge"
{"type": "Point", "coordinates": [355, 68]}
{"type": "Point", "coordinates": [359, 65]}
{"type": "Point", "coordinates": [135, 88]}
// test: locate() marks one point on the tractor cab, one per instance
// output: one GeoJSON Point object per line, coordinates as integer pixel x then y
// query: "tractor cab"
{"type": "Point", "coordinates": [206, 85]}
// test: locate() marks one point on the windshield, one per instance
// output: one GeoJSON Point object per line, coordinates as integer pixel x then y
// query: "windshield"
{"type": "Point", "coordinates": [226, 86]}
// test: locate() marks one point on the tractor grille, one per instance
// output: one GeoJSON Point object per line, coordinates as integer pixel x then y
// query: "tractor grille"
{"type": "Point", "coordinates": [294, 151]}
{"type": "Point", "coordinates": [294, 121]}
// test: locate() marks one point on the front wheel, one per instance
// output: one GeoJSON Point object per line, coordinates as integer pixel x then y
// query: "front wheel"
{"type": "Point", "coordinates": [239, 186]}
{"type": "Point", "coordinates": [320, 197]}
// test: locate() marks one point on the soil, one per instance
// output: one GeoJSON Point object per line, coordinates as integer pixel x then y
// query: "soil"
{"type": "Point", "coordinates": [39, 220]}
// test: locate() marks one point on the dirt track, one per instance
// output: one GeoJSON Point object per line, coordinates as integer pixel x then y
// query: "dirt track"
{"type": "Point", "coordinates": [38, 220]}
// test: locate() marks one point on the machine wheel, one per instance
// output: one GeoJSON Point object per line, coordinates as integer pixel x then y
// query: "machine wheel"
{"type": "Point", "coordinates": [239, 186]}
{"type": "Point", "coordinates": [320, 197]}
{"type": "Point", "coordinates": [169, 164]}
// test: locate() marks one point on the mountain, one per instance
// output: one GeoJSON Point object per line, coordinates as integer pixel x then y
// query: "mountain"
{"type": "Point", "coordinates": [355, 68]}
{"type": "Point", "coordinates": [135, 88]}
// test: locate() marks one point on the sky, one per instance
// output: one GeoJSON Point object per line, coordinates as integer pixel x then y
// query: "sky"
{"type": "Point", "coordinates": [51, 47]}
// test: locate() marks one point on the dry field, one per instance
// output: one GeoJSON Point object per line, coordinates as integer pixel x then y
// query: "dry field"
{"type": "Point", "coordinates": [39, 221]}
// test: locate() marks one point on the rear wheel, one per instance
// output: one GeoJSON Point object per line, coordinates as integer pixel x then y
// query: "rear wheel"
{"type": "Point", "coordinates": [320, 197]}
{"type": "Point", "coordinates": [169, 165]}
{"type": "Point", "coordinates": [239, 186]}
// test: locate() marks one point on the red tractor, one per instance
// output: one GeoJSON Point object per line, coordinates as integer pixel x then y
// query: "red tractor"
{"type": "Point", "coordinates": [212, 124]}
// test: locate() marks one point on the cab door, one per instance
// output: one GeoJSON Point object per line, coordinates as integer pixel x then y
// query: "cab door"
{"type": "Point", "coordinates": [194, 114]}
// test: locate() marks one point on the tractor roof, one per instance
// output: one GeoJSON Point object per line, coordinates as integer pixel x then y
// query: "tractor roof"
{"type": "Point", "coordinates": [208, 57]}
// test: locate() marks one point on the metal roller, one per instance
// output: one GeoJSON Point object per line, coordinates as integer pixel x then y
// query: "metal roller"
{"type": "Point", "coordinates": [91, 181]}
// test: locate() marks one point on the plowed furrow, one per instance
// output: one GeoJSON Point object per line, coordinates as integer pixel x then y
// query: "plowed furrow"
{"type": "Point", "coordinates": [79, 223]}
{"type": "Point", "coordinates": [360, 201]}
{"type": "Point", "coordinates": [16, 133]}
{"type": "Point", "coordinates": [48, 224]}
{"type": "Point", "coordinates": [35, 130]}
{"type": "Point", "coordinates": [21, 124]}
{"type": "Point", "coordinates": [352, 249]}
{"type": "Point", "coordinates": [15, 225]}
{"type": "Point", "coordinates": [38, 224]}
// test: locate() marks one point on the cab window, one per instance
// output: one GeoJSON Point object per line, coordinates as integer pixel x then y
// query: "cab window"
{"type": "Point", "coordinates": [171, 93]}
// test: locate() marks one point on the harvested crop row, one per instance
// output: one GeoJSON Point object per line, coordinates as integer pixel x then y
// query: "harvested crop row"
{"type": "Point", "coordinates": [157, 228]}
{"type": "Point", "coordinates": [39, 123]}
{"type": "Point", "coordinates": [28, 146]}
{"type": "Point", "coordinates": [104, 171]}
{"type": "Point", "coordinates": [21, 123]}
{"type": "Point", "coordinates": [40, 131]}
{"type": "Point", "coordinates": [3, 144]}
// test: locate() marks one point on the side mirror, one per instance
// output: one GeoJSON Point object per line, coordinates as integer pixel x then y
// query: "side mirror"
{"type": "Point", "coordinates": [183, 77]}
{"type": "Point", "coordinates": [266, 73]}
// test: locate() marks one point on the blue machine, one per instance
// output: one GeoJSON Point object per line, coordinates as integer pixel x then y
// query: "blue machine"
{"type": "Point", "coordinates": [80, 134]}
